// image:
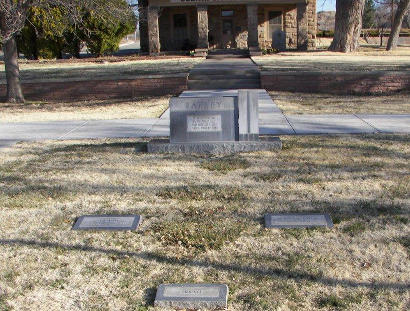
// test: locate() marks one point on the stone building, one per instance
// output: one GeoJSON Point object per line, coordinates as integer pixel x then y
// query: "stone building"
{"type": "Point", "coordinates": [202, 25]}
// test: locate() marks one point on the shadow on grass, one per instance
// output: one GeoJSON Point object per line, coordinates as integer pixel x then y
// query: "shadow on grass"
{"type": "Point", "coordinates": [154, 257]}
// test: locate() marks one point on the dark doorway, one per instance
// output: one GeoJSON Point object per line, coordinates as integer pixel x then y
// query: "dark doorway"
{"type": "Point", "coordinates": [180, 31]}
{"type": "Point", "coordinates": [228, 37]}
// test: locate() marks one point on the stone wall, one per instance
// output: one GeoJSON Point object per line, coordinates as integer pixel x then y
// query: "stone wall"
{"type": "Point", "coordinates": [361, 83]}
{"type": "Point", "coordinates": [103, 89]}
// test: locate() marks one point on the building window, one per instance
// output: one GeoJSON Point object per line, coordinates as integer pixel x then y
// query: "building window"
{"type": "Point", "coordinates": [227, 13]}
{"type": "Point", "coordinates": [275, 22]}
{"type": "Point", "coordinates": [180, 21]}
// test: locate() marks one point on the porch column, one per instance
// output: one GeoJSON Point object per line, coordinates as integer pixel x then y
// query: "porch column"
{"type": "Point", "coordinates": [252, 26]}
{"type": "Point", "coordinates": [153, 30]}
{"type": "Point", "coordinates": [143, 25]}
{"type": "Point", "coordinates": [202, 11]}
{"type": "Point", "coordinates": [302, 17]}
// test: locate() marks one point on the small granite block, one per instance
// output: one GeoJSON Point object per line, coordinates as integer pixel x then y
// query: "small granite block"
{"type": "Point", "coordinates": [202, 119]}
{"type": "Point", "coordinates": [297, 220]}
{"type": "Point", "coordinates": [214, 148]}
{"type": "Point", "coordinates": [248, 115]}
{"type": "Point", "coordinates": [192, 296]}
{"type": "Point", "coordinates": [108, 222]}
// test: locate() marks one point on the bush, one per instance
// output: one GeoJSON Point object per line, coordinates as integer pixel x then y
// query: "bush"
{"type": "Point", "coordinates": [47, 33]}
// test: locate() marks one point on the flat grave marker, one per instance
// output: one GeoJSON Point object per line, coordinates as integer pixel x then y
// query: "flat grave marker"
{"type": "Point", "coordinates": [192, 296]}
{"type": "Point", "coordinates": [298, 221]}
{"type": "Point", "coordinates": [108, 222]}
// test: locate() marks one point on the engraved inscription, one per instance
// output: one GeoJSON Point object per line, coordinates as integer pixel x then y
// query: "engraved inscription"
{"type": "Point", "coordinates": [109, 222]}
{"type": "Point", "coordinates": [192, 292]}
{"type": "Point", "coordinates": [202, 123]}
{"type": "Point", "coordinates": [202, 104]}
{"type": "Point", "coordinates": [290, 220]}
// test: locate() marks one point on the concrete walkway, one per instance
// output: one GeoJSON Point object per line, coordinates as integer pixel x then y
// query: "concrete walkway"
{"type": "Point", "coordinates": [225, 73]}
{"type": "Point", "coordinates": [271, 122]}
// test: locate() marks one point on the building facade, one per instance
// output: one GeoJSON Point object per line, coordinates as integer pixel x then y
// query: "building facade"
{"type": "Point", "coordinates": [202, 25]}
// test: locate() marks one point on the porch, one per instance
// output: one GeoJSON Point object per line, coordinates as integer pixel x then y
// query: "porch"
{"type": "Point", "coordinates": [176, 25]}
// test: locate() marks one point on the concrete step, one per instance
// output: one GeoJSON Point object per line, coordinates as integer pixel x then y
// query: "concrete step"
{"type": "Point", "coordinates": [224, 71]}
{"type": "Point", "coordinates": [248, 76]}
{"type": "Point", "coordinates": [225, 56]}
{"type": "Point", "coordinates": [228, 53]}
{"type": "Point", "coordinates": [223, 84]}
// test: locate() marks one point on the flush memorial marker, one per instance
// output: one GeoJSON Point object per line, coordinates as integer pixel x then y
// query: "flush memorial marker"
{"type": "Point", "coordinates": [192, 296]}
{"type": "Point", "coordinates": [215, 125]}
{"type": "Point", "coordinates": [297, 220]}
{"type": "Point", "coordinates": [108, 222]}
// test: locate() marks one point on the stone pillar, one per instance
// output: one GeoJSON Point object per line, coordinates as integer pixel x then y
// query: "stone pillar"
{"type": "Point", "coordinates": [303, 29]}
{"type": "Point", "coordinates": [253, 42]}
{"type": "Point", "coordinates": [312, 24]}
{"type": "Point", "coordinates": [202, 11]}
{"type": "Point", "coordinates": [153, 30]}
{"type": "Point", "coordinates": [143, 25]}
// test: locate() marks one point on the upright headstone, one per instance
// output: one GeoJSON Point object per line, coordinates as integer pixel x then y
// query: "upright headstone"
{"type": "Point", "coordinates": [216, 125]}
{"type": "Point", "coordinates": [202, 119]}
{"type": "Point", "coordinates": [192, 296]}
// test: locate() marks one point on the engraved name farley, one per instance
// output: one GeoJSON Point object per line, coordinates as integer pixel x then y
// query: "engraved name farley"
{"type": "Point", "coordinates": [186, 292]}
{"type": "Point", "coordinates": [298, 220]}
{"type": "Point", "coordinates": [204, 123]}
{"type": "Point", "coordinates": [107, 222]}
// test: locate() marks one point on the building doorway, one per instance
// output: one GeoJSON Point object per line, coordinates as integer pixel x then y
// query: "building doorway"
{"type": "Point", "coordinates": [228, 33]}
{"type": "Point", "coordinates": [180, 31]}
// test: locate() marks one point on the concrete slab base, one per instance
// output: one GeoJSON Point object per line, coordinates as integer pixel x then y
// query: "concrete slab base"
{"type": "Point", "coordinates": [214, 148]}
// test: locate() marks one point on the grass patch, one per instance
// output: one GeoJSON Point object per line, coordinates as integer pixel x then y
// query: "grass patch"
{"type": "Point", "coordinates": [400, 190]}
{"type": "Point", "coordinates": [228, 194]}
{"type": "Point", "coordinates": [332, 301]}
{"type": "Point", "coordinates": [271, 176]}
{"type": "Point", "coordinates": [336, 303]}
{"type": "Point", "coordinates": [225, 164]}
{"type": "Point", "coordinates": [354, 228]}
{"type": "Point", "coordinates": [204, 227]}
{"type": "Point", "coordinates": [200, 235]}
{"type": "Point", "coordinates": [405, 242]}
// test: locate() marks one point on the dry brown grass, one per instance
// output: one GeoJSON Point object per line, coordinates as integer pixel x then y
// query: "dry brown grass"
{"type": "Point", "coordinates": [203, 223]}
{"type": "Point", "coordinates": [80, 71]}
{"type": "Point", "coordinates": [144, 107]}
{"type": "Point", "coordinates": [368, 59]}
{"type": "Point", "coordinates": [305, 103]}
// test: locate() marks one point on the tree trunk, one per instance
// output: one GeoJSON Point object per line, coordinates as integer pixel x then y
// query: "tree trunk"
{"type": "Point", "coordinates": [348, 25]}
{"type": "Point", "coordinates": [396, 27]}
{"type": "Point", "coordinates": [14, 91]}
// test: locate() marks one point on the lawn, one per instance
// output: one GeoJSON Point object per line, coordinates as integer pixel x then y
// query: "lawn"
{"type": "Point", "coordinates": [141, 107]}
{"type": "Point", "coordinates": [369, 59]}
{"type": "Point", "coordinates": [313, 103]}
{"type": "Point", "coordinates": [203, 223]}
{"type": "Point", "coordinates": [81, 71]}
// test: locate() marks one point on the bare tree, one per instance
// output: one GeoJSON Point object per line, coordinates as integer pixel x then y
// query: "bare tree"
{"type": "Point", "coordinates": [13, 14]}
{"type": "Point", "coordinates": [398, 21]}
{"type": "Point", "coordinates": [348, 25]}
